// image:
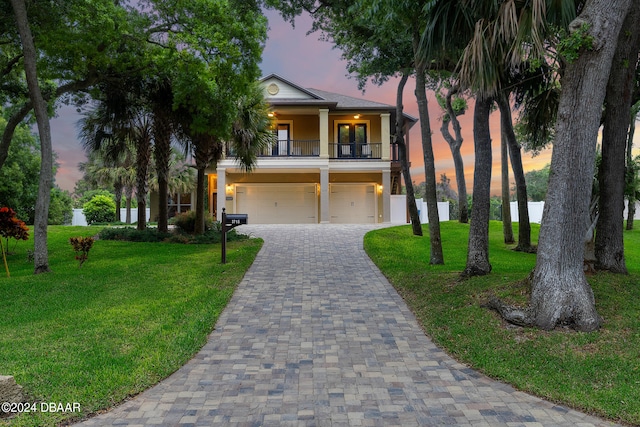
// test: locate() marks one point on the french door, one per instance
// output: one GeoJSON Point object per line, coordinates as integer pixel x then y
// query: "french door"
{"type": "Point", "coordinates": [351, 138]}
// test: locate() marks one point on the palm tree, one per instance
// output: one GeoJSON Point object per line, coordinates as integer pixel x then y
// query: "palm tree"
{"type": "Point", "coordinates": [161, 100]}
{"type": "Point", "coordinates": [181, 177]}
{"type": "Point", "coordinates": [119, 125]}
{"type": "Point", "coordinates": [120, 174]}
{"type": "Point", "coordinates": [251, 128]}
{"type": "Point", "coordinates": [106, 156]}
{"type": "Point", "coordinates": [248, 135]}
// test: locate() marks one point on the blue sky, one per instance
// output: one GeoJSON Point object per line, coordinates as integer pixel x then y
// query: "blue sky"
{"type": "Point", "coordinates": [309, 62]}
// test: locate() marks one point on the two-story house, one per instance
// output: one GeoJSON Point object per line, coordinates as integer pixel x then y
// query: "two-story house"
{"type": "Point", "coordinates": [331, 161]}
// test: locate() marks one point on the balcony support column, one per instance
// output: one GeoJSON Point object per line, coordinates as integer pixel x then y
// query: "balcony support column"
{"type": "Point", "coordinates": [222, 191]}
{"type": "Point", "coordinates": [324, 196]}
{"type": "Point", "coordinates": [324, 133]}
{"type": "Point", "coordinates": [385, 135]}
{"type": "Point", "coordinates": [386, 195]}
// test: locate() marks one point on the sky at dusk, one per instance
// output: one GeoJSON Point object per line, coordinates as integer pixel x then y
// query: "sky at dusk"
{"type": "Point", "coordinates": [311, 63]}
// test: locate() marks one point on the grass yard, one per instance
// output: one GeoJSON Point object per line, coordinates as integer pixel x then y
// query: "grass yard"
{"type": "Point", "coordinates": [597, 372]}
{"type": "Point", "coordinates": [133, 314]}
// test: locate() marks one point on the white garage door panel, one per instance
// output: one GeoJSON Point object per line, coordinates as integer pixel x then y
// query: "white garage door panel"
{"type": "Point", "coordinates": [353, 203]}
{"type": "Point", "coordinates": [278, 204]}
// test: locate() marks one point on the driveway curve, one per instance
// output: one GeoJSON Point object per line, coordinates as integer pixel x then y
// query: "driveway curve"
{"type": "Point", "coordinates": [316, 336]}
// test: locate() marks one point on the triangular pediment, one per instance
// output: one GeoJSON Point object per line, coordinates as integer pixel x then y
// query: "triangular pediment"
{"type": "Point", "coordinates": [275, 87]}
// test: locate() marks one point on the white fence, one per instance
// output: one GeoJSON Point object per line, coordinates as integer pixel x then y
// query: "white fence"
{"type": "Point", "coordinates": [399, 210]}
{"type": "Point", "coordinates": [536, 209]}
{"type": "Point", "coordinates": [79, 219]}
{"type": "Point", "coordinates": [535, 212]}
{"type": "Point", "coordinates": [636, 215]}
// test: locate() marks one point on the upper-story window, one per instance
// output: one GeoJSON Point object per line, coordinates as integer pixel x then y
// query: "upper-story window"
{"type": "Point", "coordinates": [352, 140]}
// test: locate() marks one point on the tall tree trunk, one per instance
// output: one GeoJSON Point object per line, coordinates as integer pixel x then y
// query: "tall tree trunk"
{"type": "Point", "coordinates": [478, 249]}
{"type": "Point", "coordinates": [128, 196]}
{"type": "Point", "coordinates": [631, 205]}
{"type": "Point", "coordinates": [201, 154]}
{"type": "Point", "coordinates": [507, 229]}
{"type": "Point", "coordinates": [206, 150]}
{"type": "Point", "coordinates": [143, 157]}
{"type": "Point", "coordinates": [416, 226]}
{"type": "Point", "coordinates": [41, 254]}
{"type": "Point", "coordinates": [560, 292]}
{"type": "Point", "coordinates": [200, 191]}
{"type": "Point", "coordinates": [454, 145]}
{"type": "Point", "coordinates": [162, 153]}
{"type": "Point", "coordinates": [117, 189]}
{"type": "Point", "coordinates": [437, 256]}
{"type": "Point", "coordinates": [609, 244]}
{"type": "Point", "coordinates": [524, 226]}
{"type": "Point", "coordinates": [127, 218]}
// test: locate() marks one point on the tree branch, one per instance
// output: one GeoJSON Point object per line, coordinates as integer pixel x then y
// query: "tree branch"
{"type": "Point", "coordinates": [19, 115]}
{"type": "Point", "coordinates": [11, 64]}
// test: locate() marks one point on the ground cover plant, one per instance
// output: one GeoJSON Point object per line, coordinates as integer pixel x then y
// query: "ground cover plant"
{"type": "Point", "coordinates": [130, 234]}
{"type": "Point", "coordinates": [133, 314]}
{"type": "Point", "coordinates": [597, 372]}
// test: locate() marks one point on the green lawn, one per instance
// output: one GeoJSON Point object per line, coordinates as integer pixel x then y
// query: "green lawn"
{"type": "Point", "coordinates": [595, 372]}
{"type": "Point", "coordinates": [133, 314]}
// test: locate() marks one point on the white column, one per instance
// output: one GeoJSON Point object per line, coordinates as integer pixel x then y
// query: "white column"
{"type": "Point", "coordinates": [325, 218]}
{"type": "Point", "coordinates": [385, 134]}
{"type": "Point", "coordinates": [386, 195]}
{"type": "Point", "coordinates": [222, 191]}
{"type": "Point", "coordinates": [324, 133]}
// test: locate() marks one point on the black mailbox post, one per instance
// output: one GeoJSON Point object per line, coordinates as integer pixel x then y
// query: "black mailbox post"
{"type": "Point", "coordinates": [229, 222]}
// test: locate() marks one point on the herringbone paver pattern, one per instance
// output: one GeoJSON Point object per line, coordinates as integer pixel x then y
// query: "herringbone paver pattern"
{"type": "Point", "coordinates": [316, 336]}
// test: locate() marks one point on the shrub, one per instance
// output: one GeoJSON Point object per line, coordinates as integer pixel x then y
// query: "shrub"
{"type": "Point", "coordinates": [60, 207]}
{"type": "Point", "coordinates": [99, 209]}
{"type": "Point", "coordinates": [88, 195]}
{"type": "Point", "coordinates": [133, 235]}
{"type": "Point", "coordinates": [153, 235]}
{"type": "Point", "coordinates": [186, 222]}
{"type": "Point", "coordinates": [82, 246]}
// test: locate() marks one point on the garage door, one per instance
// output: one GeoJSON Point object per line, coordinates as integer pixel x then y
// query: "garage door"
{"type": "Point", "coordinates": [352, 203]}
{"type": "Point", "coordinates": [278, 203]}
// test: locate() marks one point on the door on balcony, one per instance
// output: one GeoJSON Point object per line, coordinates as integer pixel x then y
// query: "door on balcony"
{"type": "Point", "coordinates": [281, 147]}
{"type": "Point", "coordinates": [351, 139]}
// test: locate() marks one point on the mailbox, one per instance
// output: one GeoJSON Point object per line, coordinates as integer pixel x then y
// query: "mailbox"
{"type": "Point", "coordinates": [233, 220]}
{"type": "Point", "coordinates": [230, 221]}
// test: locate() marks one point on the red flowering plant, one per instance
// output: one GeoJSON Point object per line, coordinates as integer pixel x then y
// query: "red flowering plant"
{"type": "Point", "coordinates": [82, 246]}
{"type": "Point", "coordinates": [10, 227]}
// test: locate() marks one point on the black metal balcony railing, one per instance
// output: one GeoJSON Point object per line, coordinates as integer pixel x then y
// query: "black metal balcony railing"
{"type": "Point", "coordinates": [292, 148]}
{"type": "Point", "coordinates": [311, 148]}
{"type": "Point", "coordinates": [355, 150]}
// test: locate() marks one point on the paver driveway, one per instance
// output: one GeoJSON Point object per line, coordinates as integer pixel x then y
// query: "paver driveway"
{"type": "Point", "coordinates": [315, 335]}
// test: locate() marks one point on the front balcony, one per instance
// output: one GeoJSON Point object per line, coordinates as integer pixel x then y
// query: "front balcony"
{"type": "Point", "coordinates": [311, 148]}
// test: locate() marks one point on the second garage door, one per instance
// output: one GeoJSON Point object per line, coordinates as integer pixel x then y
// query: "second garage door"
{"type": "Point", "coordinates": [278, 203]}
{"type": "Point", "coordinates": [352, 203]}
